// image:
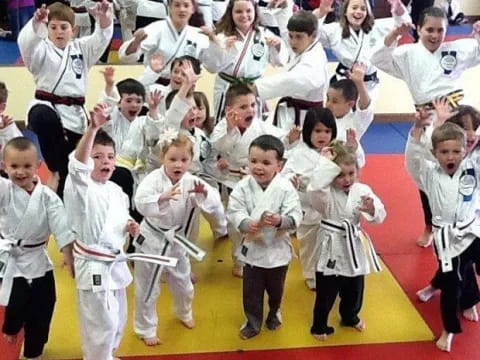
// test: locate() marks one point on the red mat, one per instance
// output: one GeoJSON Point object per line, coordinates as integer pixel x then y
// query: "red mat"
{"type": "Point", "coordinates": [411, 266]}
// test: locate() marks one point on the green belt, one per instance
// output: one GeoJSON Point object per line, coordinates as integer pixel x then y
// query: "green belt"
{"type": "Point", "coordinates": [237, 80]}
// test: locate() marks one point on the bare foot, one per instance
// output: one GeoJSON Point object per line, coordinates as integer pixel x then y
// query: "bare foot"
{"type": "Point", "coordinates": [444, 342]}
{"type": "Point", "coordinates": [237, 271]}
{"type": "Point", "coordinates": [152, 341]}
{"type": "Point", "coordinates": [426, 293]}
{"type": "Point", "coordinates": [11, 339]}
{"type": "Point", "coordinates": [189, 324]}
{"type": "Point", "coordinates": [425, 240]}
{"type": "Point", "coordinates": [471, 314]}
{"type": "Point", "coordinates": [320, 337]}
{"type": "Point", "coordinates": [360, 326]}
{"type": "Point", "coordinates": [115, 358]}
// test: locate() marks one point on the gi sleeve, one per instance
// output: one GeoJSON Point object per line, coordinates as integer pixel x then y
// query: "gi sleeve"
{"type": "Point", "coordinates": [32, 46]}
{"type": "Point", "coordinates": [148, 193]}
{"type": "Point", "coordinates": [57, 220]}
{"type": "Point", "coordinates": [93, 46]}
{"type": "Point", "coordinates": [224, 140]}
{"type": "Point", "coordinates": [237, 207]}
{"type": "Point", "coordinates": [379, 213]}
{"type": "Point", "coordinates": [417, 165]}
{"type": "Point", "coordinates": [319, 187]}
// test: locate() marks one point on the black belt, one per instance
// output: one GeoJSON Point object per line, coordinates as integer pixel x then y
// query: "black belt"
{"type": "Point", "coordinates": [237, 80]}
{"type": "Point", "coordinates": [342, 71]}
{"type": "Point", "coordinates": [297, 105]}
{"type": "Point", "coordinates": [163, 81]}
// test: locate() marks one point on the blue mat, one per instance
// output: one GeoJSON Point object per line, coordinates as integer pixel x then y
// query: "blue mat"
{"type": "Point", "coordinates": [386, 138]}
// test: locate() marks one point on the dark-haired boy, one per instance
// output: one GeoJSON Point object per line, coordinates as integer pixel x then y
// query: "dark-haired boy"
{"type": "Point", "coordinates": [29, 213]}
{"type": "Point", "coordinates": [98, 214]}
{"type": "Point", "coordinates": [350, 103]}
{"type": "Point", "coordinates": [303, 83]}
{"type": "Point", "coordinates": [264, 207]}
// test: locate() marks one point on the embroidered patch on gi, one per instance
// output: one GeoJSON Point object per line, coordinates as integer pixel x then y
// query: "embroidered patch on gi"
{"type": "Point", "coordinates": [331, 263]}
{"type": "Point", "coordinates": [205, 149]}
{"type": "Point", "coordinates": [258, 50]}
{"type": "Point", "coordinates": [190, 48]}
{"type": "Point", "coordinates": [140, 239]}
{"type": "Point", "coordinates": [97, 280]}
{"type": "Point", "coordinates": [448, 62]}
{"type": "Point", "coordinates": [244, 250]}
{"type": "Point", "coordinates": [468, 183]}
{"type": "Point", "coordinates": [77, 65]}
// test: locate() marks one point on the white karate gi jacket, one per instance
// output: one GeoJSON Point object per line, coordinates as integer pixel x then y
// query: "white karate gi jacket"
{"type": "Point", "coordinates": [336, 206]}
{"type": "Point", "coordinates": [98, 215]}
{"type": "Point", "coordinates": [30, 219]}
{"type": "Point", "coordinates": [454, 200]}
{"type": "Point", "coordinates": [62, 72]}
{"type": "Point", "coordinates": [163, 38]}
{"type": "Point", "coordinates": [233, 146]}
{"type": "Point", "coordinates": [174, 214]}
{"type": "Point", "coordinates": [270, 247]}
{"type": "Point", "coordinates": [358, 47]}
{"type": "Point", "coordinates": [247, 58]}
{"type": "Point", "coordinates": [305, 78]}
{"type": "Point", "coordinates": [429, 75]}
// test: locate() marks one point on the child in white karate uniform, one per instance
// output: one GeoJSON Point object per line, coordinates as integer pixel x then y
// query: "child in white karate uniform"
{"type": "Point", "coordinates": [303, 84]}
{"type": "Point", "coordinates": [98, 214]}
{"type": "Point", "coordinates": [355, 36]}
{"type": "Point", "coordinates": [454, 204]}
{"type": "Point", "coordinates": [345, 254]}
{"type": "Point", "coordinates": [445, 61]}
{"type": "Point", "coordinates": [264, 207]}
{"type": "Point", "coordinates": [319, 129]}
{"type": "Point", "coordinates": [60, 66]}
{"type": "Point", "coordinates": [169, 198]}
{"type": "Point", "coordinates": [29, 213]}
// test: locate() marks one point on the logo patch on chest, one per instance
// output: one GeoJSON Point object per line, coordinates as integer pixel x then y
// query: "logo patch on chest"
{"type": "Point", "coordinates": [77, 65]}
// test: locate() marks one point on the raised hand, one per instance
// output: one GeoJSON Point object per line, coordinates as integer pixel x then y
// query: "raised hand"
{"type": "Point", "coordinates": [41, 14]}
{"type": "Point", "coordinates": [157, 61]}
{"type": "Point", "coordinates": [327, 151]}
{"type": "Point", "coordinates": [397, 7]}
{"type": "Point", "coordinates": [103, 12]}
{"type": "Point", "coordinates": [138, 37]}
{"type": "Point", "coordinates": [230, 40]}
{"type": "Point", "coordinates": [99, 115]}
{"type": "Point", "coordinates": [423, 118]}
{"type": "Point", "coordinates": [210, 32]}
{"type": "Point", "coordinates": [133, 228]}
{"type": "Point", "coordinates": [153, 101]}
{"type": "Point", "coordinates": [5, 120]}
{"type": "Point", "coordinates": [171, 194]}
{"type": "Point", "coordinates": [109, 75]}
{"type": "Point", "coordinates": [277, 4]}
{"type": "Point", "coordinates": [273, 42]}
{"type": "Point", "coordinates": [367, 205]}
{"type": "Point", "coordinates": [232, 119]}
{"type": "Point", "coordinates": [352, 141]}
{"type": "Point", "coordinates": [198, 188]}
{"type": "Point", "coordinates": [189, 76]}
{"type": "Point", "coordinates": [442, 108]}
{"type": "Point", "coordinates": [325, 7]}
{"type": "Point", "coordinates": [357, 74]}
{"type": "Point", "coordinates": [294, 134]}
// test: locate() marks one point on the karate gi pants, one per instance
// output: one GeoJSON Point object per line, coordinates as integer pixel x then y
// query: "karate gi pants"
{"type": "Point", "coordinates": [328, 287]}
{"type": "Point", "coordinates": [178, 279]}
{"type": "Point", "coordinates": [257, 281]}
{"type": "Point", "coordinates": [102, 322]}
{"type": "Point", "coordinates": [31, 307]}
{"type": "Point", "coordinates": [459, 291]}
{"type": "Point", "coordinates": [56, 143]}
{"type": "Point", "coordinates": [308, 249]}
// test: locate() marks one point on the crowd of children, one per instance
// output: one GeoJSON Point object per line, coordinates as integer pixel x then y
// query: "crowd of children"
{"type": "Point", "coordinates": [140, 168]}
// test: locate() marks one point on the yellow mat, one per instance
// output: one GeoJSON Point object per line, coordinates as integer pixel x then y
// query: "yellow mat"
{"type": "Point", "coordinates": [389, 315]}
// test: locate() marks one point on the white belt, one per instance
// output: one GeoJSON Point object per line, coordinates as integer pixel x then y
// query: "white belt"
{"type": "Point", "coordinates": [7, 265]}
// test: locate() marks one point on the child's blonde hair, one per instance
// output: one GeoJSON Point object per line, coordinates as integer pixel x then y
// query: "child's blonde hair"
{"type": "Point", "coordinates": [343, 154]}
{"type": "Point", "coordinates": [61, 12]}
{"type": "Point", "coordinates": [180, 141]}
{"type": "Point", "coordinates": [448, 131]}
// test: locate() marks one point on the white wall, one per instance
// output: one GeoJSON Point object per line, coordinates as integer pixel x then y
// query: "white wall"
{"type": "Point", "coordinates": [470, 7]}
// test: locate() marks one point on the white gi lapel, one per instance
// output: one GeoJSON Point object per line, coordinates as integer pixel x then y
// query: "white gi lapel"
{"type": "Point", "coordinates": [24, 225]}
{"type": "Point", "coordinates": [63, 67]}
{"type": "Point", "coordinates": [180, 40]}
{"type": "Point", "coordinates": [264, 202]}
{"type": "Point", "coordinates": [246, 45]}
